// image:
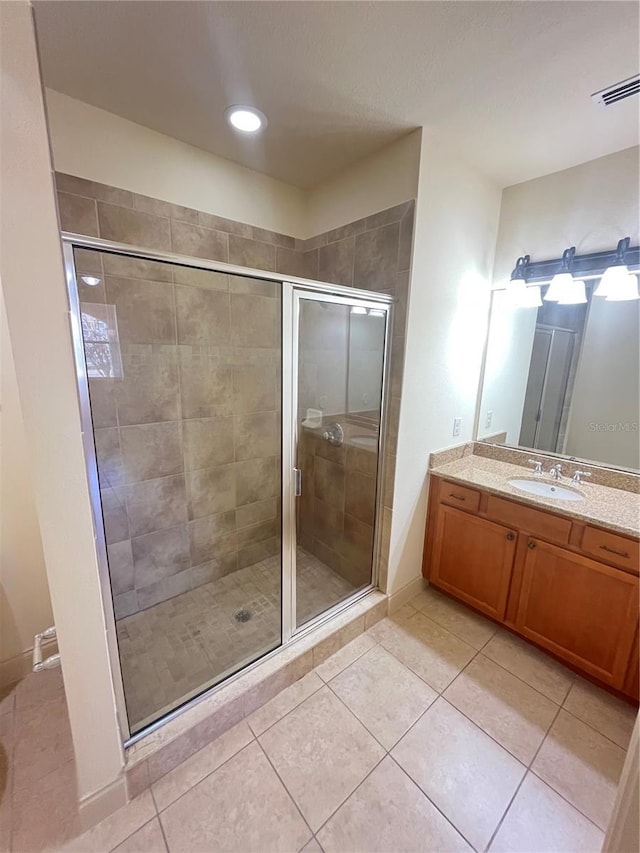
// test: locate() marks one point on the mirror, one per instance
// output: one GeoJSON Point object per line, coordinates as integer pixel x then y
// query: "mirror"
{"type": "Point", "coordinates": [564, 379]}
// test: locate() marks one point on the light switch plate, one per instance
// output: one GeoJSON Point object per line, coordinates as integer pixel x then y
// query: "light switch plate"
{"type": "Point", "coordinates": [487, 422]}
{"type": "Point", "coordinates": [456, 425]}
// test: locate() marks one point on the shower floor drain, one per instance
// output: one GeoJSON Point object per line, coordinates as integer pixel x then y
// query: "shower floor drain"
{"type": "Point", "coordinates": [242, 616]}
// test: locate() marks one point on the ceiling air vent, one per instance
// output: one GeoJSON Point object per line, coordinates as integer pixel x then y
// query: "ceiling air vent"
{"type": "Point", "coordinates": [618, 92]}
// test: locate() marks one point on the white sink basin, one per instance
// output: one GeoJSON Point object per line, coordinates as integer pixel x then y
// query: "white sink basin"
{"type": "Point", "coordinates": [364, 440]}
{"type": "Point", "coordinates": [547, 490]}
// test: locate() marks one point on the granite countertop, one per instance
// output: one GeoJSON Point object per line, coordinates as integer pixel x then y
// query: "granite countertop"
{"type": "Point", "coordinates": [613, 509]}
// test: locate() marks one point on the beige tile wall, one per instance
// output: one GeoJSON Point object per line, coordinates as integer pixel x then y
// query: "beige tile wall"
{"type": "Point", "coordinates": [374, 253]}
{"type": "Point", "coordinates": [337, 507]}
{"type": "Point", "coordinates": [188, 439]}
{"type": "Point", "coordinates": [203, 431]}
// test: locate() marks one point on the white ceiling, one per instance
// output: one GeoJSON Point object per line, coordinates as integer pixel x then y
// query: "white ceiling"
{"type": "Point", "coordinates": [508, 83]}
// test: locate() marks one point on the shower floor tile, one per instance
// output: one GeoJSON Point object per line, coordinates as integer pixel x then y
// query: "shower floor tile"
{"type": "Point", "coordinates": [174, 650]}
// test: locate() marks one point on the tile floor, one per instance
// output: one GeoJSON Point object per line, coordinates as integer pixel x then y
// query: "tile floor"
{"type": "Point", "coordinates": [433, 731]}
{"type": "Point", "coordinates": [175, 649]}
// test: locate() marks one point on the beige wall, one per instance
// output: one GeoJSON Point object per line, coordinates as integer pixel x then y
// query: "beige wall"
{"type": "Point", "coordinates": [590, 206]}
{"type": "Point", "coordinates": [456, 224]}
{"type": "Point", "coordinates": [25, 606]}
{"type": "Point", "coordinates": [100, 146]}
{"type": "Point", "coordinates": [35, 299]}
{"type": "Point", "coordinates": [384, 179]}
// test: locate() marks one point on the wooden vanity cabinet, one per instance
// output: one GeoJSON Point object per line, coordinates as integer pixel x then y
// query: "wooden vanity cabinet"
{"type": "Point", "coordinates": [579, 609]}
{"type": "Point", "coordinates": [535, 572]}
{"type": "Point", "coordinates": [473, 560]}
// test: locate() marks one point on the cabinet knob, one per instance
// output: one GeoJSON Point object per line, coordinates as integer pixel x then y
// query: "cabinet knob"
{"type": "Point", "coordinates": [511, 536]}
{"type": "Point", "coordinates": [531, 545]}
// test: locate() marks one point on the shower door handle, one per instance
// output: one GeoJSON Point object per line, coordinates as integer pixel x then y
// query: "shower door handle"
{"type": "Point", "coordinates": [297, 482]}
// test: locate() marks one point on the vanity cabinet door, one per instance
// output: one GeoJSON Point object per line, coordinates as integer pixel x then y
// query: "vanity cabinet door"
{"type": "Point", "coordinates": [581, 610]}
{"type": "Point", "coordinates": [472, 558]}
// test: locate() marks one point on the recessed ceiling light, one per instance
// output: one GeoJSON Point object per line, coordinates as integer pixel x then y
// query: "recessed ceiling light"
{"type": "Point", "coordinates": [91, 280]}
{"type": "Point", "coordinates": [246, 119]}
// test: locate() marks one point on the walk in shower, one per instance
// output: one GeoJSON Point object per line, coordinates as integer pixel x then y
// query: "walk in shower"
{"type": "Point", "coordinates": [233, 429]}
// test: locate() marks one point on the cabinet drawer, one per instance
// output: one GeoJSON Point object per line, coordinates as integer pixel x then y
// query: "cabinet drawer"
{"type": "Point", "coordinates": [542, 524]}
{"type": "Point", "coordinates": [459, 496]}
{"type": "Point", "coordinates": [611, 548]}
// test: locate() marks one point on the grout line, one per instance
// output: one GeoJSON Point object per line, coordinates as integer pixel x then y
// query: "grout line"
{"type": "Point", "coordinates": [301, 702]}
{"type": "Point", "coordinates": [215, 769]}
{"type": "Point", "coordinates": [438, 809]}
{"type": "Point", "coordinates": [593, 729]}
{"type": "Point", "coordinates": [150, 789]}
{"type": "Point", "coordinates": [164, 836]}
{"type": "Point", "coordinates": [451, 631]}
{"type": "Point", "coordinates": [122, 840]}
{"type": "Point", "coordinates": [348, 797]}
{"type": "Point", "coordinates": [521, 680]}
{"type": "Point", "coordinates": [573, 805]}
{"type": "Point", "coordinates": [357, 718]}
{"type": "Point", "coordinates": [349, 665]}
{"type": "Point", "coordinates": [291, 797]}
{"type": "Point", "coordinates": [528, 766]}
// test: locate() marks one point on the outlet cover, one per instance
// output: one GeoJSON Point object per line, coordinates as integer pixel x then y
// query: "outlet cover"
{"type": "Point", "coordinates": [487, 422]}
{"type": "Point", "coordinates": [456, 425]}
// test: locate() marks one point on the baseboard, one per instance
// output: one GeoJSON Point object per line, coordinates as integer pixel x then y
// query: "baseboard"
{"type": "Point", "coordinates": [402, 596]}
{"type": "Point", "coordinates": [16, 668]}
{"type": "Point", "coordinates": [97, 806]}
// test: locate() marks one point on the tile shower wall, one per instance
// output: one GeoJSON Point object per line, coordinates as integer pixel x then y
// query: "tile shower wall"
{"type": "Point", "coordinates": [188, 436]}
{"type": "Point", "coordinates": [337, 507]}
{"type": "Point", "coordinates": [373, 253]}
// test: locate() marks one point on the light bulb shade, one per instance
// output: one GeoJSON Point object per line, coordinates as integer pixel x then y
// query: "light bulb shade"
{"type": "Point", "coordinates": [517, 291]}
{"type": "Point", "coordinates": [532, 297]}
{"type": "Point", "coordinates": [613, 278]}
{"type": "Point", "coordinates": [573, 293]}
{"type": "Point", "coordinates": [624, 290]}
{"type": "Point", "coordinates": [557, 287]}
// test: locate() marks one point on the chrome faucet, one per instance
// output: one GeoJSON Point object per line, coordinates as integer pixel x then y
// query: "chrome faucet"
{"type": "Point", "coordinates": [537, 470]}
{"type": "Point", "coordinates": [576, 479]}
{"type": "Point", "coordinates": [556, 472]}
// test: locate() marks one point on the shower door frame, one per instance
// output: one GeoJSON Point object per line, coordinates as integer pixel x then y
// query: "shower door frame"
{"type": "Point", "coordinates": [293, 293]}
{"type": "Point", "coordinates": [293, 288]}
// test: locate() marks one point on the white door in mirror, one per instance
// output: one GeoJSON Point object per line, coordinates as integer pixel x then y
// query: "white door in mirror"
{"type": "Point", "coordinates": [547, 490]}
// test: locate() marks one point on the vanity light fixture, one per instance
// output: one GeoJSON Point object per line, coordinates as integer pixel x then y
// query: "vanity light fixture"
{"type": "Point", "coordinates": [615, 275]}
{"type": "Point", "coordinates": [245, 119]}
{"type": "Point", "coordinates": [624, 290]}
{"type": "Point", "coordinates": [518, 284]}
{"type": "Point", "coordinates": [358, 309]}
{"type": "Point", "coordinates": [91, 280]}
{"type": "Point", "coordinates": [562, 280]}
{"type": "Point", "coordinates": [613, 271]}
{"type": "Point", "coordinates": [532, 297]}
{"type": "Point", "coordinates": [573, 292]}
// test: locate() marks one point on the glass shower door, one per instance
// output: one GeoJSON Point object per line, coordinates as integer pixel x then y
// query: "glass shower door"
{"type": "Point", "coordinates": [338, 414]}
{"type": "Point", "coordinates": [180, 379]}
